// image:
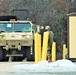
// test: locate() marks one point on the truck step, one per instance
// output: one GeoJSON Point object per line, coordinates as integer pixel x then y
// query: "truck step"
{"type": "Point", "coordinates": [12, 55]}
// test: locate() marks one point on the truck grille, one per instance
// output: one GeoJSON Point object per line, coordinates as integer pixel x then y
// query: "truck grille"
{"type": "Point", "coordinates": [13, 43]}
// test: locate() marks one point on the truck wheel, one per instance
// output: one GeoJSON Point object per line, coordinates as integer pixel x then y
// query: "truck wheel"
{"type": "Point", "coordinates": [1, 54]}
{"type": "Point", "coordinates": [4, 55]}
{"type": "Point", "coordinates": [28, 54]}
{"type": "Point", "coordinates": [24, 52]}
{"type": "Point", "coordinates": [33, 52]}
{"type": "Point", "coordinates": [30, 57]}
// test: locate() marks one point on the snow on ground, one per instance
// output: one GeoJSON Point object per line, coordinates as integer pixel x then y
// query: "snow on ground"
{"type": "Point", "coordinates": [44, 66]}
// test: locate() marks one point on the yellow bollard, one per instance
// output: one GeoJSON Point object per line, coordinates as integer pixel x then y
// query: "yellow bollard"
{"type": "Point", "coordinates": [53, 51]}
{"type": "Point", "coordinates": [37, 48]}
{"type": "Point", "coordinates": [64, 51]}
{"type": "Point", "coordinates": [45, 45]}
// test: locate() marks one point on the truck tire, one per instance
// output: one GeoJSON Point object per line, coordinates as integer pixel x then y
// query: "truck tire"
{"type": "Point", "coordinates": [5, 58]}
{"type": "Point", "coordinates": [1, 54]}
{"type": "Point", "coordinates": [29, 56]}
{"type": "Point", "coordinates": [24, 52]}
{"type": "Point", "coordinates": [33, 52]}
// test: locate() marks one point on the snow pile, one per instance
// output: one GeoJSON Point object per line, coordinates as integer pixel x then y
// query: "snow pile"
{"type": "Point", "coordinates": [44, 66]}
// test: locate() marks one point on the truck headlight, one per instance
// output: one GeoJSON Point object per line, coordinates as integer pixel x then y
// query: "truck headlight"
{"type": "Point", "coordinates": [28, 36]}
{"type": "Point", "coordinates": [24, 36]}
{"type": "Point", "coordinates": [1, 37]}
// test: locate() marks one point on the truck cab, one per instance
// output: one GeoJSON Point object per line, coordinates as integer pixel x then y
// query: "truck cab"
{"type": "Point", "coordinates": [16, 39]}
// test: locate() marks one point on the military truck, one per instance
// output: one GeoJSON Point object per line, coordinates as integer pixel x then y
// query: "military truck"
{"type": "Point", "coordinates": [17, 38]}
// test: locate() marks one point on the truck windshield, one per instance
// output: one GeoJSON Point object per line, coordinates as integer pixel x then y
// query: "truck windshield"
{"type": "Point", "coordinates": [22, 27]}
{"type": "Point", "coordinates": [6, 27]}
{"type": "Point", "coordinates": [15, 27]}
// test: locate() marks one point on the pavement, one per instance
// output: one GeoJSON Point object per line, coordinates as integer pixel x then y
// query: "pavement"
{"type": "Point", "coordinates": [19, 68]}
{"type": "Point", "coordinates": [6, 66]}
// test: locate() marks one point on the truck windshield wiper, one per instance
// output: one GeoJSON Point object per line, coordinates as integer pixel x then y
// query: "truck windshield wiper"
{"type": "Point", "coordinates": [18, 31]}
{"type": "Point", "coordinates": [2, 31]}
